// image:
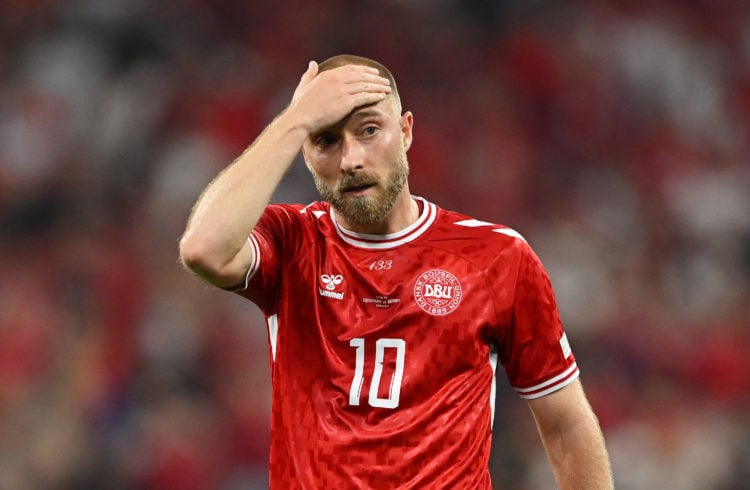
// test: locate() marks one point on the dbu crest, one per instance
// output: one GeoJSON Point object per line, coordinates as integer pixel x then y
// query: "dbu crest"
{"type": "Point", "coordinates": [438, 292]}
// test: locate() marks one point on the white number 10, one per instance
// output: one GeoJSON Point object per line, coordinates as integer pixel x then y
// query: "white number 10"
{"type": "Point", "coordinates": [394, 391]}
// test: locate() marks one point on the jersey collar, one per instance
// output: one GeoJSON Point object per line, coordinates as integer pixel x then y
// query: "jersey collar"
{"type": "Point", "coordinates": [392, 240]}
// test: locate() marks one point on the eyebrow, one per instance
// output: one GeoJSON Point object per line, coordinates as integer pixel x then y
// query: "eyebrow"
{"type": "Point", "coordinates": [364, 113]}
{"type": "Point", "coordinates": [361, 113]}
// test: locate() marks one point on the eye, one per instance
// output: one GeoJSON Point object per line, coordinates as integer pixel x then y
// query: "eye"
{"type": "Point", "coordinates": [370, 130]}
{"type": "Point", "coordinates": [324, 140]}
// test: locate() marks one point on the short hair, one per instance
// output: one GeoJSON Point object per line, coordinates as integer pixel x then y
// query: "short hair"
{"type": "Point", "coordinates": [351, 59]}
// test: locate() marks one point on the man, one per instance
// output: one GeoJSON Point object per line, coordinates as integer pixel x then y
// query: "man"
{"type": "Point", "coordinates": [386, 314]}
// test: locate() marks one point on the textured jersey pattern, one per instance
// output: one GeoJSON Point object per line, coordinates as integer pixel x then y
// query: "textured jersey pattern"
{"type": "Point", "coordinates": [384, 348]}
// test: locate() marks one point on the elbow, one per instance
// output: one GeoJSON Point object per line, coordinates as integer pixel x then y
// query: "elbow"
{"type": "Point", "coordinates": [201, 257]}
{"type": "Point", "coordinates": [196, 256]}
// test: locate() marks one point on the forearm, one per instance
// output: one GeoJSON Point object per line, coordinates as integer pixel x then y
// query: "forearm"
{"type": "Point", "coordinates": [214, 242]}
{"type": "Point", "coordinates": [572, 439]}
{"type": "Point", "coordinates": [578, 456]}
{"type": "Point", "coordinates": [233, 202]}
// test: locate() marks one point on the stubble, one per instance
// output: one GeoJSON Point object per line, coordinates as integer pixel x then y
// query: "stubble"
{"type": "Point", "coordinates": [372, 208]}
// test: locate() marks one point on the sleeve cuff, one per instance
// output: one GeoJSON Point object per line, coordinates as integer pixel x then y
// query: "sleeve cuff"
{"type": "Point", "coordinates": [549, 386]}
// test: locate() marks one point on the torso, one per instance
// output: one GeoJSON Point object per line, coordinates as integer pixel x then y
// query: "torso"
{"type": "Point", "coordinates": [384, 348]}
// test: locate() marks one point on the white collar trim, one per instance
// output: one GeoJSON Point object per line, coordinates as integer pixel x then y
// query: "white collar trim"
{"type": "Point", "coordinates": [391, 240]}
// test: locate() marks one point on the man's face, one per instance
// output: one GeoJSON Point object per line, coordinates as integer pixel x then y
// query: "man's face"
{"type": "Point", "coordinates": [359, 165]}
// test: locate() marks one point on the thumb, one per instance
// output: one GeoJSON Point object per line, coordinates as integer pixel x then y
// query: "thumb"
{"type": "Point", "coordinates": [307, 77]}
{"type": "Point", "coordinates": [312, 71]}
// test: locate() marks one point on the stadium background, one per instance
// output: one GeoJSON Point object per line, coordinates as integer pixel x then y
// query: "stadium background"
{"type": "Point", "coordinates": [614, 135]}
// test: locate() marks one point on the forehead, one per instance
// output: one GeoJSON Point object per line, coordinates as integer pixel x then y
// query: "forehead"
{"type": "Point", "coordinates": [372, 111]}
{"type": "Point", "coordinates": [382, 110]}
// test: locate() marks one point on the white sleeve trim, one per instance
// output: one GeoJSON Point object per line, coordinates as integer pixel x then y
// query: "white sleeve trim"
{"type": "Point", "coordinates": [254, 264]}
{"type": "Point", "coordinates": [273, 332]}
{"type": "Point", "coordinates": [551, 385]}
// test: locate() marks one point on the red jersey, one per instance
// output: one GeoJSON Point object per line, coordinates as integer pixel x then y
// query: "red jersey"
{"type": "Point", "coordinates": [384, 348]}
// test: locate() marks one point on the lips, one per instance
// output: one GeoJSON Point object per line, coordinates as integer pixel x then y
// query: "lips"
{"type": "Point", "coordinates": [355, 185]}
{"type": "Point", "coordinates": [357, 188]}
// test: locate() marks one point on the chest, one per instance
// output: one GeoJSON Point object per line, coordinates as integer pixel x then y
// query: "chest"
{"type": "Point", "coordinates": [411, 316]}
{"type": "Point", "coordinates": [404, 288]}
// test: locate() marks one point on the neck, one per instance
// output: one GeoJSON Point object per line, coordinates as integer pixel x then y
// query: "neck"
{"type": "Point", "coordinates": [405, 212]}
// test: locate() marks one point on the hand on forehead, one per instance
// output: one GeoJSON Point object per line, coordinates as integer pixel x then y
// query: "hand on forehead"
{"type": "Point", "coordinates": [322, 99]}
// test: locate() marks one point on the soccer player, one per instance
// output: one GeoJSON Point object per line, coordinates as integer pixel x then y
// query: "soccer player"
{"type": "Point", "coordinates": [386, 314]}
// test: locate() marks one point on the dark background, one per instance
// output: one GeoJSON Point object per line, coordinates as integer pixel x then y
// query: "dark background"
{"type": "Point", "coordinates": [613, 135]}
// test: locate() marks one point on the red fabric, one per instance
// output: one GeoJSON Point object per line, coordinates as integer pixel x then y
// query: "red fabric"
{"type": "Point", "coordinates": [417, 312]}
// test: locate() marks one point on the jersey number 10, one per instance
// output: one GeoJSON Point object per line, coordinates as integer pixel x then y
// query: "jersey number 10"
{"type": "Point", "coordinates": [394, 390]}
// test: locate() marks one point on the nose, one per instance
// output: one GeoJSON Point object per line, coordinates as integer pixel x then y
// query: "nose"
{"type": "Point", "coordinates": [352, 154]}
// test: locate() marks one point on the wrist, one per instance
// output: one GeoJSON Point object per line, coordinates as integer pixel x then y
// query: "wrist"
{"type": "Point", "coordinates": [292, 126]}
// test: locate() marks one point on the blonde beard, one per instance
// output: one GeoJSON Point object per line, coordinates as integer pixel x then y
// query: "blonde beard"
{"type": "Point", "coordinates": [367, 210]}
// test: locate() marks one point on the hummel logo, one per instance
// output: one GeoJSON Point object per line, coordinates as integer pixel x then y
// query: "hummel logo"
{"type": "Point", "coordinates": [330, 282]}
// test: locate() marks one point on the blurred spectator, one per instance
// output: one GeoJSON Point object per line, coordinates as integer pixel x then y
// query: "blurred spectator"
{"type": "Point", "coordinates": [614, 136]}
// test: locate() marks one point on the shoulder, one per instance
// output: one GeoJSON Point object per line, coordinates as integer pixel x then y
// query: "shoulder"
{"type": "Point", "coordinates": [466, 232]}
{"type": "Point", "coordinates": [295, 209]}
{"type": "Point", "coordinates": [310, 213]}
{"type": "Point", "coordinates": [290, 224]}
{"type": "Point", "coordinates": [486, 245]}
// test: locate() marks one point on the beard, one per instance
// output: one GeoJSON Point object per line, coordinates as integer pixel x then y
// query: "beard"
{"type": "Point", "coordinates": [373, 208]}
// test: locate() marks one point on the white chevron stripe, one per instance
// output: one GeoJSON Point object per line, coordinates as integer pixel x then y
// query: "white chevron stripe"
{"type": "Point", "coordinates": [475, 223]}
{"type": "Point", "coordinates": [273, 332]}
{"type": "Point", "coordinates": [509, 232]}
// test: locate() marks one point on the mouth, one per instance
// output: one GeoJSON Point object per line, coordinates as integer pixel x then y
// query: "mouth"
{"type": "Point", "coordinates": [358, 189]}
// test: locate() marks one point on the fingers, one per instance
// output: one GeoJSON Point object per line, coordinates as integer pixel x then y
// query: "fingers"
{"type": "Point", "coordinates": [352, 79]}
{"type": "Point", "coordinates": [324, 98]}
{"type": "Point", "coordinates": [367, 92]}
{"type": "Point", "coordinates": [366, 79]}
{"type": "Point", "coordinates": [372, 86]}
{"type": "Point", "coordinates": [366, 98]}
{"type": "Point", "coordinates": [366, 87]}
{"type": "Point", "coordinates": [347, 74]}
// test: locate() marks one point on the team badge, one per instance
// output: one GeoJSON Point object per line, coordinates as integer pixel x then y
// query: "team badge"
{"type": "Point", "coordinates": [438, 292]}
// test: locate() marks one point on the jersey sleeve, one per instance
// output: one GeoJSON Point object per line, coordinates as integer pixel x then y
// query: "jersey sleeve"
{"type": "Point", "coordinates": [535, 352]}
{"type": "Point", "coordinates": [274, 240]}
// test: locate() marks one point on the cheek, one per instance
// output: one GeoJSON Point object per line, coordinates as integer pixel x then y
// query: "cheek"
{"type": "Point", "coordinates": [397, 150]}
{"type": "Point", "coordinates": [317, 161]}
{"type": "Point", "coordinates": [387, 146]}
{"type": "Point", "coordinates": [389, 139]}
{"type": "Point", "coordinates": [324, 166]}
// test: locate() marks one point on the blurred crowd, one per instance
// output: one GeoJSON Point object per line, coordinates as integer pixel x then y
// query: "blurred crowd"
{"type": "Point", "coordinates": [615, 136]}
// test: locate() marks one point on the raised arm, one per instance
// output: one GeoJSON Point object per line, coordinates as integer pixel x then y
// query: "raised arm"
{"type": "Point", "coordinates": [214, 244]}
{"type": "Point", "coordinates": [572, 439]}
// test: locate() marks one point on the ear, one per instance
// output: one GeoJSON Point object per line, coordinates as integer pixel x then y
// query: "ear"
{"type": "Point", "coordinates": [407, 122]}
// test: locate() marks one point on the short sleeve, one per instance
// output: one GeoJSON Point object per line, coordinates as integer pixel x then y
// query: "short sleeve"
{"type": "Point", "coordinates": [535, 352]}
{"type": "Point", "coordinates": [274, 241]}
